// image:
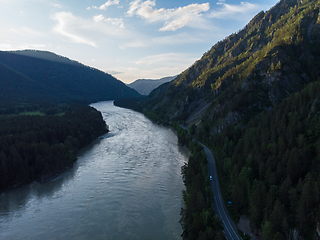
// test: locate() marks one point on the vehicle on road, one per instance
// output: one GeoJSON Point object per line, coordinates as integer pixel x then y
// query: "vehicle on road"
{"type": "Point", "coordinates": [210, 178]}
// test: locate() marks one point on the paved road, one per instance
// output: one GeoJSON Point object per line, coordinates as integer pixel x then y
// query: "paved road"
{"type": "Point", "coordinates": [230, 229]}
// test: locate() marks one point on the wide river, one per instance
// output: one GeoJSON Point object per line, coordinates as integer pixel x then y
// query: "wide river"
{"type": "Point", "coordinates": [125, 185]}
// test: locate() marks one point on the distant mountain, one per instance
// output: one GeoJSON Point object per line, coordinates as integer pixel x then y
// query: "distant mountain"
{"type": "Point", "coordinates": [39, 76]}
{"type": "Point", "coordinates": [145, 86]}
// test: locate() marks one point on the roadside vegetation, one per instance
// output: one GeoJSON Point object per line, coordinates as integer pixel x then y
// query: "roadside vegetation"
{"type": "Point", "coordinates": [198, 218]}
{"type": "Point", "coordinates": [271, 168]}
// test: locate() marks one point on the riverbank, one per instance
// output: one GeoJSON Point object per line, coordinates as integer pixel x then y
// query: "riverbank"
{"type": "Point", "coordinates": [125, 185]}
{"type": "Point", "coordinates": [42, 147]}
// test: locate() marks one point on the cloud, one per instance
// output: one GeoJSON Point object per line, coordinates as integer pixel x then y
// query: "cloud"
{"type": "Point", "coordinates": [229, 11]}
{"type": "Point", "coordinates": [221, 2]}
{"type": "Point", "coordinates": [71, 27]}
{"type": "Point", "coordinates": [171, 59]}
{"type": "Point", "coordinates": [106, 4]}
{"type": "Point", "coordinates": [81, 30]}
{"type": "Point", "coordinates": [115, 21]}
{"type": "Point", "coordinates": [98, 18]}
{"type": "Point", "coordinates": [174, 18]}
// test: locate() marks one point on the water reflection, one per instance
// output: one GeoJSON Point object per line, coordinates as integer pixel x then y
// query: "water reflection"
{"type": "Point", "coordinates": [16, 199]}
{"type": "Point", "coordinates": [126, 185]}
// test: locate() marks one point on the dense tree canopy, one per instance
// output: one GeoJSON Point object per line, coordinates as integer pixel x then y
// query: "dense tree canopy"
{"type": "Point", "coordinates": [273, 167]}
{"type": "Point", "coordinates": [38, 147]}
{"type": "Point", "coordinates": [198, 218]}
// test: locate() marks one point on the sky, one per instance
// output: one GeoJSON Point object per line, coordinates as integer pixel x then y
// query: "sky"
{"type": "Point", "coordinates": [130, 39]}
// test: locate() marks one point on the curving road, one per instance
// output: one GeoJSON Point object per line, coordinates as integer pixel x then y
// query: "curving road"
{"type": "Point", "coordinates": [230, 229]}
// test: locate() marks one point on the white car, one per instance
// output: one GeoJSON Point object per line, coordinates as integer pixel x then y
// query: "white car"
{"type": "Point", "coordinates": [210, 178]}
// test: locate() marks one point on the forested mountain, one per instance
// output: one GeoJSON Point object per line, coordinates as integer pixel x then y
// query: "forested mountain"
{"type": "Point", "coordinates": [37, 76]}
{"type": "Point", "coordinates": [275, 55]}
{"type": "Point", "coordinates": [145, 86]}
{"type": "Point", "coordinates": [254, 99]}
{"type": "Point", "coordinates": [40, 134]}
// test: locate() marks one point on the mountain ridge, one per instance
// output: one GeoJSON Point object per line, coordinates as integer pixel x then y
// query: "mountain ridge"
{"type": "Point", "coordinates": [262, 55]}
{"type": "Point", "coordinates": [31, 76]}
{"type": "Point", "coordinates": [145, 86]}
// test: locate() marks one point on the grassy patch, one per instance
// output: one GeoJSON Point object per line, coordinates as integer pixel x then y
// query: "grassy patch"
{"type": "Point", "coordinates": [35, 113]}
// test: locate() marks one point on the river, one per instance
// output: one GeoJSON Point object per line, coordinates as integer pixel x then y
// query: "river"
{"type": "Point", "coordinates": [125, 185]}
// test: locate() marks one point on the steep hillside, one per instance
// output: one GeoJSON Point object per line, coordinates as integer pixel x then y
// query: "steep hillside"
{"type": "Point", "coordinates": [274, 55]}
{"type": "Point", "coordinates": [270, 169]}
{"type": "Point", "coordinates": [254, 99]}
{"type": "Point", "coordinates": [37, 76]}
{"type": "Point", "coordinates": [145, 86]}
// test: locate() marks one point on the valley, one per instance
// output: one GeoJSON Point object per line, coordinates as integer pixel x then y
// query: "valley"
{"type": "Point", "coordinates": [252, 99]}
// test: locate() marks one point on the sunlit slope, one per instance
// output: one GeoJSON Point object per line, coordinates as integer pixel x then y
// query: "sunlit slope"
{"type": "Point", "coordinates": [273, 56]}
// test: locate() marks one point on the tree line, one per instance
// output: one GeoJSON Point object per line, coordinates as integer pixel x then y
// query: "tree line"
{"type": "Point", "coordinates": [198, 218]}
{"type": "Point", "coordinates": [271, 167]}
{"type": "Point", "coordinates": [39, 147]}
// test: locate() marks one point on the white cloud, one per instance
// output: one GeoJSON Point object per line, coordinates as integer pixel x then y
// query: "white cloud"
{"type": "Point", "coordinates": [229, 11]}
{"type": "Point", "coordinates": [221, 2]}
{"type": "Point", "coordinates": [176, 23]}
{"type": "Point", "coordinates": [71, 27]}
{"type": "Point", "coordinates": [106, 4]}
{"type": "Point", "coordinates": [134, 5]}
{"type": "Point", "coordinates": [98, 18]}
{"type": "Point", "coordinates": [77, 29]}
{"type": "Point", "coordinates": [115, 21]}
{"type": "Point", "coordinates": [174, 18]}
{"type": "Point", "coordinates": [146, 11]}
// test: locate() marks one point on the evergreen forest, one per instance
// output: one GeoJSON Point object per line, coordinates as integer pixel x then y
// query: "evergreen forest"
{"type": "Point", "coordinates": [270, 170]}
{"type": "Point", "coordinates": [40, 145]}
{"type": "Point", "coordinates": [198, 218]}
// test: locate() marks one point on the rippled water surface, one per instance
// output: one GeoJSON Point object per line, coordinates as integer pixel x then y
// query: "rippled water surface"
{"type": "Point", "coordinates": [126, 185]}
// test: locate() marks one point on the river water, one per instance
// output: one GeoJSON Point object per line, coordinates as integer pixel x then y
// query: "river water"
{"type": "Point", "coordinates": [126, 185]}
